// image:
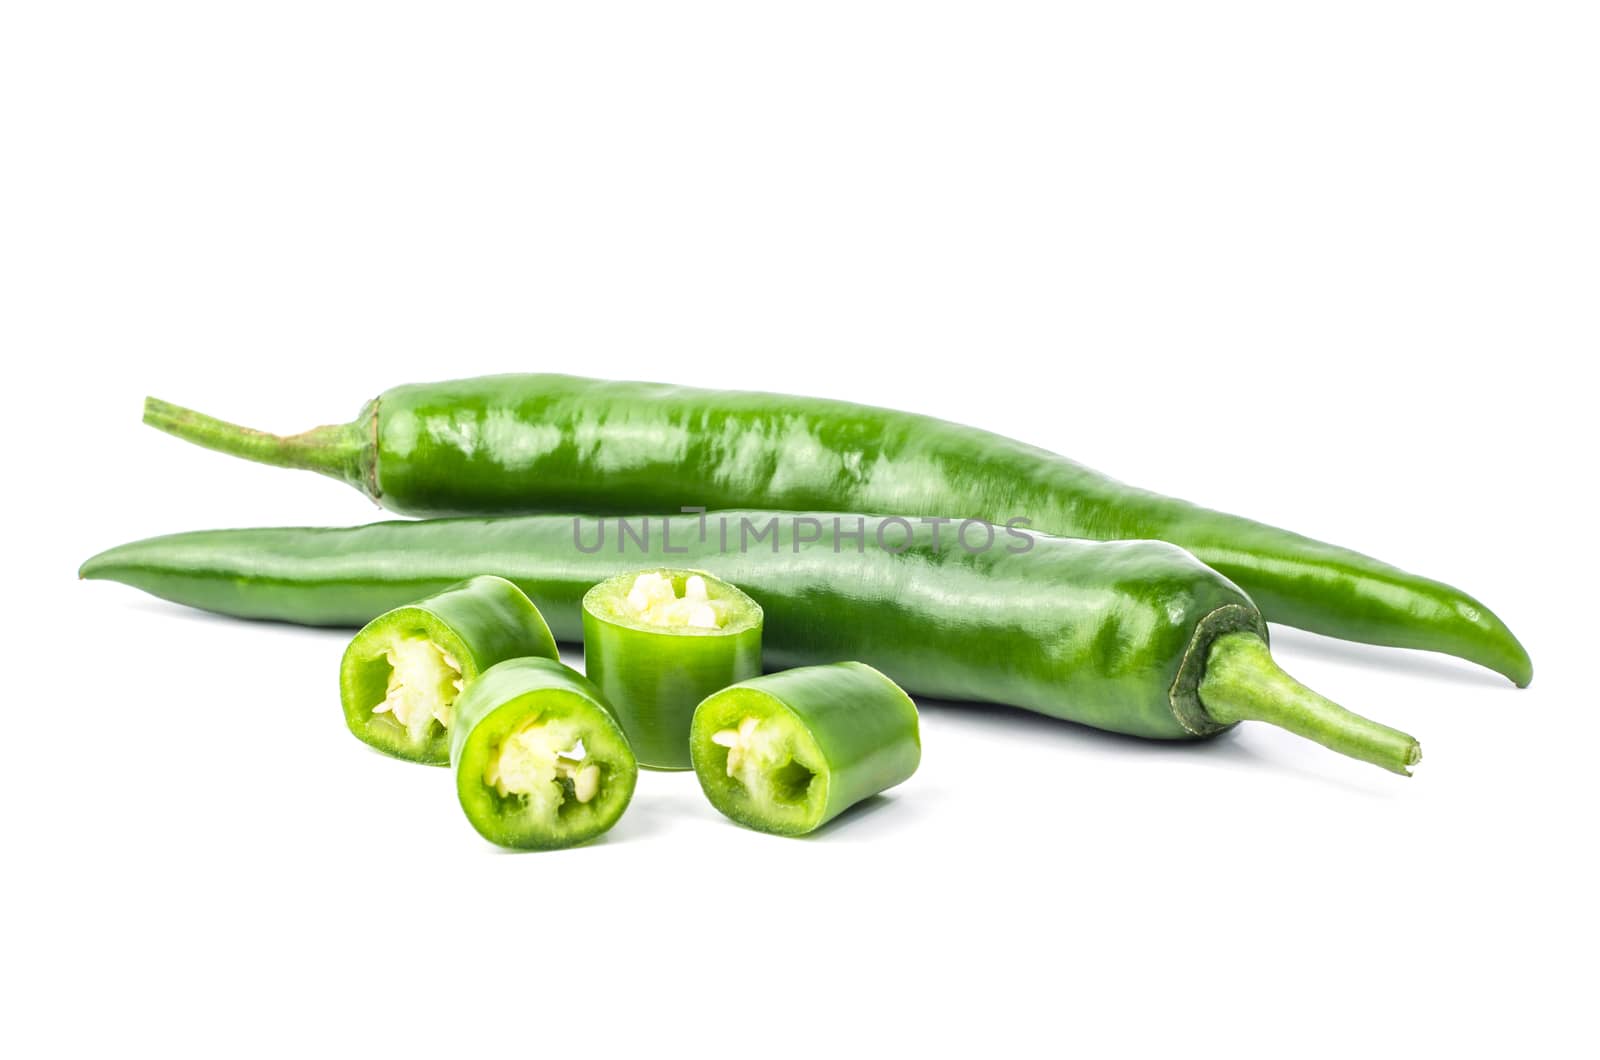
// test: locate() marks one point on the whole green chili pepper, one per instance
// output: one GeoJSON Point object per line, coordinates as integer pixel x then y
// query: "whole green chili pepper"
{"type": "Point", "coordinates": [540, 763]}
{"type": "Point", "coordinates": [788, 752]}
{"type": "Point", "coordinates": [402, 673]}
{"type": "Point", "coordinates": [1117, 635]}
{"type": "Point", "coordinates": [657, 642]}
{"type": "Point", "coordinates": [528, 443]}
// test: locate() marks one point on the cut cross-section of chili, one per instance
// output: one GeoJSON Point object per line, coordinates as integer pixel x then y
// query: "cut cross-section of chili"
{"type": "Point", "coordinates": [788, 752]}
{"type": "Point", "coordinates": [401, 675]}
{"type": "Point", "coordinates": [539, 761]}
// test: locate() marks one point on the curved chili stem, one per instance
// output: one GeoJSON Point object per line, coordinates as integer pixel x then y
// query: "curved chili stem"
{"type": "Point", "coordinates": [1243, 683]}
{"type": "Point", "coordinates": [336, 451]}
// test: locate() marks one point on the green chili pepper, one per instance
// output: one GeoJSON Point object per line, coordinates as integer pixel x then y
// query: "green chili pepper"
{"type": "Point", "coordinates": [657, 642]}
{"type": "Point", "coordinates": [1117, 635]}
{"type": "Point", "coordinates": [402, 673]}
{"type": "Point", "coordinates": [540, 763]}
{"type": "Point", "coordinates": [526, 443]}
{"type": "Point", "coordinates": [788, 752]}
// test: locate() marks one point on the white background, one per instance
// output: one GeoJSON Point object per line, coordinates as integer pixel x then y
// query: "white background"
{"type": "Point", "coordinates": [1331, 266]}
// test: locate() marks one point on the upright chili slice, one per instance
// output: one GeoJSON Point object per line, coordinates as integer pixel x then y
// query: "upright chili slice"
{"type": "Point", "coordinates": [402, 673]}
{"type": "Point", "coordinates": [540, 763]}
{"type": "Point", "coordinates": [788, 752]}
{"type": "Point", "coordinates": [555, 443]}
{"type": "Point", "coordinates": [657, 642]}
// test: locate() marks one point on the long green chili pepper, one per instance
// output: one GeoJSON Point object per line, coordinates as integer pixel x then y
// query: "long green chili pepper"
{"type": "Point", "coordinates": [554, 443]}
{"type": "Point", "coordinates": [1118, 635]}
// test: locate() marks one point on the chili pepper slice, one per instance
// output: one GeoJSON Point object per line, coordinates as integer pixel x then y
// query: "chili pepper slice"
{"type": "Point", "coordinates": [788, 752]}
{"type": "Point", "coordinates": [1117, 635]}
{"type": "Point", "coordinates": [555, 443]}
{"type": "Point", "coordinates": [657, 642]}
{"type": "Point", "coordinates": [540, 763]}
{"type": "Point", "coordinates": [401, 675]}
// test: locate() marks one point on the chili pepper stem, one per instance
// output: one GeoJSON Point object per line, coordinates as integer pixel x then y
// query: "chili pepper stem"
{"type": "Point", "coordinates": [1242, 682]}
{"type": "Point", "coordinates": [337, 451]}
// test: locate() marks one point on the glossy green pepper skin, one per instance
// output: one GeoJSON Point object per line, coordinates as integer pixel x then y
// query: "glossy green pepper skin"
{"type": "Point", "coordinates": [788, 752]}
{"type": "Point", "coordinates": [443, 641]}
{"type": "Point", "coordinates": [1110, 634]}
{"type": "Point", "coordinates": [561, 805]}
{"type": "Point", "coordinates": [528, 443]}
{"type": "Point", "coordinates": [654, 676]}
